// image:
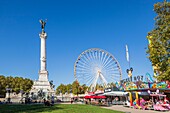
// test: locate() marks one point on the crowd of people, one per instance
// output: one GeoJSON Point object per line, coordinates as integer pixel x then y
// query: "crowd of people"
{"type": "Point", "coordinates": [154, 103]}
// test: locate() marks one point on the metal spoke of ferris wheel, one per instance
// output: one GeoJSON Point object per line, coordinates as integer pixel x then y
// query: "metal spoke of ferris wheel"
{"type": "Point", "coordinates": [97, 66]}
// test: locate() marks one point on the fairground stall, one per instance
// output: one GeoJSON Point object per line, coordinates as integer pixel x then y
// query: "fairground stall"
{"type": "Point", "coordinates": [115, 96]}
{"type": "Point", "coordinates": [95, 98]}
{"type": "Point", "coordinates": [144, 94]}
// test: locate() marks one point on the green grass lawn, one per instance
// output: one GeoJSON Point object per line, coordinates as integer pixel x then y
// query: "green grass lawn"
{"type": "Point", "coordinates": [58, 108]}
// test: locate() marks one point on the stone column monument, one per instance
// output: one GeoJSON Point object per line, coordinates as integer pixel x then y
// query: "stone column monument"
{"type": "Point", "coordinates": [43, 73]}
{"type": "Point", "coordinates": [42, 85]}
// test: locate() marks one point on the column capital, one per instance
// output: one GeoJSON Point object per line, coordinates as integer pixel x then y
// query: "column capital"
{"type": "Point", "coordinates": [43, 35]}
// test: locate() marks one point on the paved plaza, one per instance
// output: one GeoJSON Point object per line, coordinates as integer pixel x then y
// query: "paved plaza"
{"type": "Point", "coordinates": [131, 110]}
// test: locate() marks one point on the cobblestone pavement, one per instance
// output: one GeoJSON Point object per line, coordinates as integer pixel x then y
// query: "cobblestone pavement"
{"type": "Point", "coordinates": [131, 110]}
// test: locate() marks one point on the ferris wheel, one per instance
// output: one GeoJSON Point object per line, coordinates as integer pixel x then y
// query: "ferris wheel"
{"type": "Point", "coordinates": [96, 66]}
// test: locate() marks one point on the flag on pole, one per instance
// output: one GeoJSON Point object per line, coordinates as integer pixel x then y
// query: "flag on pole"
{"type": "Point", "coordinates": [127, 53]}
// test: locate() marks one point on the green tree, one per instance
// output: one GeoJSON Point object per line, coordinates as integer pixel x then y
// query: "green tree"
{"type": "Point", "coordinates": [2, 85]}
{"type": "Point", "coordinates": [159, 41]}
{"type": "Point", "coordinates": [69, 88]}
{"type": "Point", "coordinates": [100, 87]}
{"type": "Point", "coordinates": [15, 83]}
{"type": "Point", "coordinates": [75, 87]}
{"type": "Point", "coordinates": [78, 89]}
{"type": "Point", "coordinates": [61, 89]}
{"type": "Point", "coordinates": [28, 84]}
{"type": "Point", "coordinates": [83, 89]}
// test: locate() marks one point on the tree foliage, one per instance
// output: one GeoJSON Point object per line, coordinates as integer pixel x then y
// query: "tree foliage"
{"type": "Point", "coordinates": [100, 87]}
{"type": "Point", "coordinates": [159, 41]}
{"type": "Point", "coordinates": [61, 89]}
{"type": "Point", "coordinates": [16, 83]}
{"type": "Point", "coordinates": [74, 88]}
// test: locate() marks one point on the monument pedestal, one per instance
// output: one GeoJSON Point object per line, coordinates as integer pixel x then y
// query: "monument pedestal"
{"type": "Point", "coordinates": [43, 76]}
{"type": "Point", "coordinates": [42, 85]}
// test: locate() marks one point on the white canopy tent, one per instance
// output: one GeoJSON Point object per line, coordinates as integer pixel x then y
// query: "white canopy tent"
{"type": "Point", "coordinates": [115, 93]}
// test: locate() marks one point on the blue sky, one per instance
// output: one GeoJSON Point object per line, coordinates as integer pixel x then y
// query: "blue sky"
{"type": "Point", "coordinates": [73, 26]}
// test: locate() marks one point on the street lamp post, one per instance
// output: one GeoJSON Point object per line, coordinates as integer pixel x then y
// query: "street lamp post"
{"type": "Point", "coordinates": [61, 94]}
{"type": "Point", "coordinates": [71, 95]}
{"type": "Point", "coordinates": [21, 91]}
{"type": "Point", "coordinates": [70, 91]}
{"type": "Point", "coordinates": [77, 92]}
{"type": "Point", "coordinates": [8, 92]}
{"type": "Point", "coordinates": [77, 89]}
